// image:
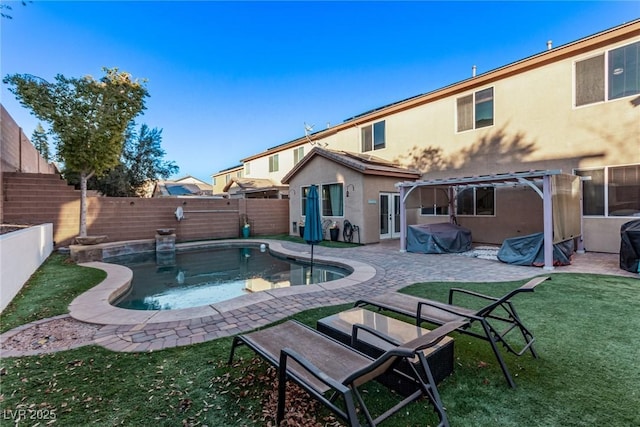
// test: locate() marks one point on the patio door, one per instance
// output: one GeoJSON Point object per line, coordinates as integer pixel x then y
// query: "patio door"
{"type": "Point", "coordinates": [389, 215]}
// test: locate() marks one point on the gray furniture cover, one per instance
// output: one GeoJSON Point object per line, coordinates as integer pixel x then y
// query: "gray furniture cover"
{"type": "Point", "coordinates": [630, 246]}
{"type": "Point", "coordinates": [438, 238]}
{"type": "Point", "coordinates": [529, 250]}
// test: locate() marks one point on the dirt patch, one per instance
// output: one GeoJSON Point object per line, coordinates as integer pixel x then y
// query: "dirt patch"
{"type": "Point", "coordinates": [56, 334]}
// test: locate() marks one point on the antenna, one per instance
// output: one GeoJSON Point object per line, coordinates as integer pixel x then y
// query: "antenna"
{"type": "Point", "coordinates": [307, 131]}
{"type": "Point", "coordinates": [308, 128]}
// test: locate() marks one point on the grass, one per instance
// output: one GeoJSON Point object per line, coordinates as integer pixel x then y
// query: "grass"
{"type": "Point", "coordinates": [49, 291]}
{"type": "Point", "coordinates": [587, 329]}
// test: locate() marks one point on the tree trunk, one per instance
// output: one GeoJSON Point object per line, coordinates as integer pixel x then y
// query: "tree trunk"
{"type": "Point", "coordinates": [83, 204]}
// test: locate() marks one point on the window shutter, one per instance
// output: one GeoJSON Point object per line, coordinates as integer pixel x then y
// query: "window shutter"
{"type": "Point", "coordinates": [590, 81]}
{"type": "Point", "coordinates": [465, 113]}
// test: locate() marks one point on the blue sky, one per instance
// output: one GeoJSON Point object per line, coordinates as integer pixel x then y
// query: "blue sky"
{"type": "Point", "coordinates": [230, 79]}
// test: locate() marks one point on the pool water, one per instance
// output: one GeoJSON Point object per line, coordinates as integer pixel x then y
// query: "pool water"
{"type": "Point", "coordinates": [196, 278]}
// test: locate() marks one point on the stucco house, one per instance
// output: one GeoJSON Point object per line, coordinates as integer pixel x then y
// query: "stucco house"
{"type": "Point", "coordinates": [572, 109]}
{"type": "Point", "coordinates": [354, 187]}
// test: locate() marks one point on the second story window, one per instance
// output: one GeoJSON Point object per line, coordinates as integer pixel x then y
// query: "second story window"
{"type": "Point", "coordinates": [227, 178]}
{"type": "Point", "coordinates": [475, 111]}
{"type": "Point", "coordinates": [373, 137]}
{"type": "Point", "coordinates": [247, 169]}
{"type": "Point", "coordinates": [273, 163]}
{"type": "Point", "coordinates": [608, 76]}
{"type": "Point", "coordinates": [298, 154]}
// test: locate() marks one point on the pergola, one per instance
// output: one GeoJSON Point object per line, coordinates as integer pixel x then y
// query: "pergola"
{"type": "Point", "coordinates": [529, 178]}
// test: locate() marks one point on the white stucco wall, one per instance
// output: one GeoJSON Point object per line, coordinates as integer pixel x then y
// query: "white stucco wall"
{"type": "Point", "coordinates": [21, 253]}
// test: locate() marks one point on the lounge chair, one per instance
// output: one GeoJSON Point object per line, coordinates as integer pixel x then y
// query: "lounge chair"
{"type": "Point", "coordinates": [324, 366]}
{"type": "Point", "coordinates": [497, 318]}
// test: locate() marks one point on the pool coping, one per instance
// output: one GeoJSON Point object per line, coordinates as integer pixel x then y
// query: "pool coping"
{"type": "Point", "coordinates": [94, 305]}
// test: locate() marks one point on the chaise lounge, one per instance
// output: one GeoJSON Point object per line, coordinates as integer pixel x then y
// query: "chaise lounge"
{"type": "Point", "coordinates": [332, 372]}
{"type": "Point", "coordinates": [497, 318]}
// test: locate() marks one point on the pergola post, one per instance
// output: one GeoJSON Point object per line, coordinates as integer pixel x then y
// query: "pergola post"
{"type": "Point", "coordinates": [548, 222]}
{"type": "Point", "coordinates": [403, 220]}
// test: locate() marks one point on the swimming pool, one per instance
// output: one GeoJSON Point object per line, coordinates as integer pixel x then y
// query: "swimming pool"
{"type": "Point", "coordinates": [206, 276]}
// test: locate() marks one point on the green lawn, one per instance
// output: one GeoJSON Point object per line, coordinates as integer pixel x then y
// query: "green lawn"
{"type": "Point", "coordinates": [587, 329]}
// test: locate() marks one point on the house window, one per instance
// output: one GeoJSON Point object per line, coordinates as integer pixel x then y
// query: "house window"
{"type": "Point", "coordinates": [615, 74]}
{"type": "Point", "coordinates": [478, 201]}
{"type": "Point", "coordinates": [214, 181]}
{"type": "Point", "coordinates": [247, 169]}
{"type": "Point", "coordinates": [611, 191]}
{"type": "Point", "coordinates": [332, 200]}
{"type": "Point", "coordinates": [624, 71]}
{"type": "Point", "coordinates": [273, 163]}
{"type": "Point", "coordinates": [227, 178]}
{"type": "Point", "coordinates": [239, 174]}
{"type": "Point", "coordinates": [434, 201]}
{"type": "Point", "coordinates": [298, 154]}
{"type": "Point", "coordinates": [475, 111]}
{"type": "Point", "coordinates": [373, 137]}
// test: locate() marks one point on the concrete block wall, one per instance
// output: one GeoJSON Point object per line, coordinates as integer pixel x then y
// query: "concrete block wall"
{"type": "Point", "coordinates": [40, 198]}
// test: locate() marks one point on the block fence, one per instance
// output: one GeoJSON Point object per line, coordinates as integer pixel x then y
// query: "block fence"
{"type": "Point", "coordinates": [41, 198]}
{"type": "Point", "coordinates": [17, 153]}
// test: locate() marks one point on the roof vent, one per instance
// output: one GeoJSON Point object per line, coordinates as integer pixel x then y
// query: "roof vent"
{"type": "Point", "coordinates": [473, 71]}
{"type": "Point", "coordinates": [549, 44]}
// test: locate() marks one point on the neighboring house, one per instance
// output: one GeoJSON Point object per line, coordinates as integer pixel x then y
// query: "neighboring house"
{"type": "Point", "coordinates": [277, 161]}
{"type": "Point", "coordinates": [573, 109]}
{"type": "Point", "coordinates": [255, 188]}
{"type": "Point", "coordinates": [222, 178]}
{"type": "Point", "coordinates": [185, 186]}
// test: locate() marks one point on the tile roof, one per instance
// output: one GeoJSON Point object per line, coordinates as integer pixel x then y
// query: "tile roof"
{"type": "Point", "coordinates": [364, 163]}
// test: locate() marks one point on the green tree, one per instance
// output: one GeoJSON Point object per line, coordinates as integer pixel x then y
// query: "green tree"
{"type": "Point", "coordinates": [143, 158]}
{"type": "Point", "coordinates": [40, 141]}
{"type": "Point", "coordinates": [87, 117]}
{"type": "Point", "coordinates": [141, 164]}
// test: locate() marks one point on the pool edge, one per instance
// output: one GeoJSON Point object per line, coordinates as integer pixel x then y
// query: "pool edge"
{"type": "Point", "coordinates": [94, 305]}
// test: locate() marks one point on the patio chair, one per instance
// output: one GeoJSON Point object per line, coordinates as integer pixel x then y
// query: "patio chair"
{"type": "Point", "coordinates": [332, 372]}
{"type": "Point", "coordinates": [497, 318]}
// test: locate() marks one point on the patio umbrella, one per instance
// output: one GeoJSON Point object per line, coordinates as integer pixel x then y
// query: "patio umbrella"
{"type": "Point", "coordinates": [313, 224]}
